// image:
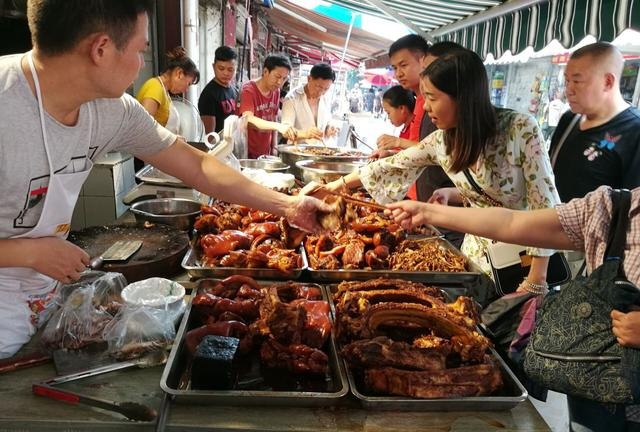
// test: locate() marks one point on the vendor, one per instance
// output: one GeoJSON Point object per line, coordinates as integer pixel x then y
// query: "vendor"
{"type": "Point", "coordinates": [155, 93]}
{"type": "Point", "coordinates": [260, 101]}
{"type": "Point", "coordinates": [63, 106]}
{"type": "Point", "coordinates": [307, 108]}
{"type": "Point", "coordinates": [500, 149]}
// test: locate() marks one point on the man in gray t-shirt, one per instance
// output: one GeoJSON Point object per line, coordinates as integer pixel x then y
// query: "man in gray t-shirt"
{"type": "Point", "coordinates": [62, 106]}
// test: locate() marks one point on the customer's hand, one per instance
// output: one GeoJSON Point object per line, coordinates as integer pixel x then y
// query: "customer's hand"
{"type": "Point", "coordinates": [626, 328]}
{"type": "Point", "coordinates": [381, 154]}
{"type": "Point", "coordinates": [387, 142]}
{"type": "Point", "coordinates": [439, 196]}
{"type": "Point", "coordinates": [409, 214]}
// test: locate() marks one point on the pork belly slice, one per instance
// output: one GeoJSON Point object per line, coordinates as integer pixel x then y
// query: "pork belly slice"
{"type": "Point", "coordinates": [476, 380]}
{"type": "Point", "coordinates": [383, 284]}
{"type": "Point", "coordinates": [384, 352]}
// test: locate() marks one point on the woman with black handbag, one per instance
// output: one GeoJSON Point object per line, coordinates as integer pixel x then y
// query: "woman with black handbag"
{"type": "Point", "coordinates": [613, 265]}
{"type": "Point", "coordinates": [493, 156]}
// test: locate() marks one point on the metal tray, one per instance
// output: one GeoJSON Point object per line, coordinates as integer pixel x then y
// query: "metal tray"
{"type": "Point", "coordinates": [472, 275]}
{"type": "Point", "coordinates": [175, 383]}
{"type": "Point", "coordinates": [152, 175]}
{"type": "Point", "coordinates": [511, 394]}
{"type": "Point", "coordinates": [195, 270]}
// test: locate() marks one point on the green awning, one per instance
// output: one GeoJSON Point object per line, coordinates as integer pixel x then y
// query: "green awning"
{"type": "Point", "coordinates": [535, 22]}
{"type": "Point", "coordinates": [567, 21]}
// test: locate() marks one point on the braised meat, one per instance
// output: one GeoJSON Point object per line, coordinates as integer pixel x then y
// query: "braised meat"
{"type": "Point", "coordinates": [405, 340]}
{"type": "Point", "coordinates": [296, 358]}
{"type": "Point", "coordinates": [353, 255]}
{"type": "Point", "coordinates": [384, 352]}
{"type": "Point", "coordinates": [382, 284]}
{"type": "Point", "coordinates": [474, 380]}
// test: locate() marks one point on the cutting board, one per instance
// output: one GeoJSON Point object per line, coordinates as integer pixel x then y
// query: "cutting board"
{"type": "Point", "coordinates": [163, 248]}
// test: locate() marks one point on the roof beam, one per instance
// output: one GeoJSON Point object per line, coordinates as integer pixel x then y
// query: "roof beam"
{"type": "Point", "coordinates": [486, 15]}
{"type": "Point", "coordinates": [402, 20]}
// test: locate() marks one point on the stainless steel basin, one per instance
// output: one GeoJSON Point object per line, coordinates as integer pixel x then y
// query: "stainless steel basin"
{"type": "Point", "coordinates": [179, 212]}
{"type": "Point", "coordinates": [314, 170]}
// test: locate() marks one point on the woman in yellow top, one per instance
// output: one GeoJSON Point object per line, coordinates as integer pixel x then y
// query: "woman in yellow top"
{"type": "Point", "coordinates": [155, 93]}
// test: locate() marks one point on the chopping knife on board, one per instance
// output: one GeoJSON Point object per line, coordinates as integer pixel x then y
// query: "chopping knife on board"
{"type": "Point", "coordinates": [121, 250]}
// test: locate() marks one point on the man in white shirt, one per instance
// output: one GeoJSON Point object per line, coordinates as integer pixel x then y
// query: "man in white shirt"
{"type": "Point", "coordinates": [307, 108]}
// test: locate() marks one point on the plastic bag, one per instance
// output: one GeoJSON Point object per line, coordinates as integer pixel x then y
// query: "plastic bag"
{"type": "Point", "coordinates": [86, 309]}
{"type": "Point", "coordinates": [239, 137]}
{"type": "Point", "coordinates": [139, 330]}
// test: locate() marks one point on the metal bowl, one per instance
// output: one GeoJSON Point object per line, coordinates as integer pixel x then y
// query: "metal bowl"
{"type": "Point", "coordinates": [291, 154]}
{"type": "Point", "coordinates": [320, 171]}
{"type": "Point", "coordinates": [269, 165]}
{"type": "Point", "coordinates": [178, 212]}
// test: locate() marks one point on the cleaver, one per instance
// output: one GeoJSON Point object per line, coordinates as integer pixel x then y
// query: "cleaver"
{"type": "Point", "coordinates": [119, 251]}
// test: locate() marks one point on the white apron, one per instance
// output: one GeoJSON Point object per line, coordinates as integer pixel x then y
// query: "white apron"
{"type": "Point", "coordinates": [173, 121]}
{"type": "Point", "coordinates": [21, 287]}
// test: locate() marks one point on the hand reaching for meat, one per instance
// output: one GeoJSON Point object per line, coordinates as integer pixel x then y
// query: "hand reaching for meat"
{"type": "Point", "coordinates": [54, 257]}
{"type": "Point", "coordinates": [332, 220]}
{"type": "Point", "coordinates": [305, 212]}
{"type": "Point", "coordinates": [409, 214]}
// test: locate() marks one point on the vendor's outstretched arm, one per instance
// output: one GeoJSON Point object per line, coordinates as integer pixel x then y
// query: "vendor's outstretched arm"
{"type": "Point", "coordinates": [208, 175]}
{"type": "Point", "coordinates": [52, 256]}
{"type": "Point", "coordinates": [539, 228]}
{"type": "Point", "coordinates": [288, 131]}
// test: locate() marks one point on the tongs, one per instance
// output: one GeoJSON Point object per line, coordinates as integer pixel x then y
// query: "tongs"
{"type": "Point", "coordinates": [356, 201]}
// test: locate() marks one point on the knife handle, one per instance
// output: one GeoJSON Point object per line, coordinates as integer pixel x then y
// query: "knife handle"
{"type": "Point", "coordinates": [35, 359]}
{"type": "Point", "coordinates": [96, 263]}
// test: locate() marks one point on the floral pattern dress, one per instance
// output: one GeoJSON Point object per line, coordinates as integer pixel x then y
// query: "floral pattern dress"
{"type": "Point", "coordinates": [515, 170]}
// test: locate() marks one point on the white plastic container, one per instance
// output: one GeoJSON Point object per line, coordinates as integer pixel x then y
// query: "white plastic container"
{"type": "Point", "coordinates": [157, 293]}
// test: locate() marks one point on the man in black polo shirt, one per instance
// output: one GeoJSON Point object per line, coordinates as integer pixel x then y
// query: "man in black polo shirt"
{"type": "Point", "coordinates": [218, 99]}
{"type": "Point", "coordinates": [602, 144]}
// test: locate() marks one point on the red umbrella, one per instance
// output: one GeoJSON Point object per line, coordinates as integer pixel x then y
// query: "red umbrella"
{"type": "Point", "coordinates": [379, 80]}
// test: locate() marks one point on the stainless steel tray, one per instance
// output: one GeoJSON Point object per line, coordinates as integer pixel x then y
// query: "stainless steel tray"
{"type": "Point", "coordinates": [196, 270]}
{"type": "Point", "coordinates": [511, 394]}
{"type": "Point", "coordinates": [175, 380]}
{"type": "Point", "coordinates": [152, 175]}
{"type": "Point", "coordinates": [472, 275]}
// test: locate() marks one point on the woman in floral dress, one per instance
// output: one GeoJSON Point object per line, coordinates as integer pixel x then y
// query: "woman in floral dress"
{"type": "Point", "coordinates": [501, 150]}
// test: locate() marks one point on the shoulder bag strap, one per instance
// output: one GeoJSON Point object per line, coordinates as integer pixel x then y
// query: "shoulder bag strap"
{"type": "Point", "coordinates": [621, 202]}
{"type": "Point", "coordinates": [563, 138]}
{"type": "Point", "coordinates": [494, 202]}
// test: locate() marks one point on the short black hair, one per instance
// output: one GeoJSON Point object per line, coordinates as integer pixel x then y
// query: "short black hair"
{"type": "Point", "coordinates": [225, 53]}
{"type": "Point", "coordinates": [398, 96]}
{"type": "Point", "coordinates": [275, 60]}
{"type": "Point", "coordinates": [58, 25]}
{"type": "Point", "coordinates": [322, 71]}
{"type": "Point", "coordinates": [441, 48]}
{"type": "Point", "coordinates": [412, 42]}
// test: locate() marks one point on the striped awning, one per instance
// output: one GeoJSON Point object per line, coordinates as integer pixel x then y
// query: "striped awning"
{"type": "Point", "coordinates": [515, 25]}
{"type": "Point", "coordinates": [568, 21]}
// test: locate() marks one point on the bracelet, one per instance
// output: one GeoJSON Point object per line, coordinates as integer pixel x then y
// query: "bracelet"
{"type": "Point", "coordinates": [534, 288]}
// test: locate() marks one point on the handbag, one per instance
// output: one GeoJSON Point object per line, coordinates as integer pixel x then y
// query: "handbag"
{"type": "Point", "coordinates": [509, 321]}
{"type": "Point", "coordinates": [510, 263]}
{"type": "Point", "coordinates": [573, 349]}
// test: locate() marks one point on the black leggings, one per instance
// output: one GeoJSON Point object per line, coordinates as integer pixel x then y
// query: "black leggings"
{"type": "Point", "coordinates": [590, 416]}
